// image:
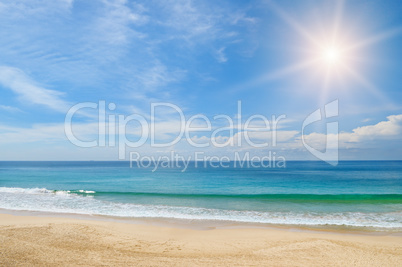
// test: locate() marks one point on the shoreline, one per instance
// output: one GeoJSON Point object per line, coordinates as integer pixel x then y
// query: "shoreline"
{"type": "Point", "coordinates": [40, 240]}
{"type": "Point", "coordinates": [207, 225]}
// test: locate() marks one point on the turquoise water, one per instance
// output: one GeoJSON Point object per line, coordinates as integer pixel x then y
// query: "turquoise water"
{"type": "Point", "coordinates": [365, 194]}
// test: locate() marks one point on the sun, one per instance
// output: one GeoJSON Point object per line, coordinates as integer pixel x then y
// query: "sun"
{"type": "Point", "coordinates": [330, 51]}
{"type": "Point", "coordinates": [331, 55]}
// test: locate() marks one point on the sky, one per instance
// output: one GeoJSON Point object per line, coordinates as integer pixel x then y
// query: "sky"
{"type": "Point", "coordinates": [205, 58]}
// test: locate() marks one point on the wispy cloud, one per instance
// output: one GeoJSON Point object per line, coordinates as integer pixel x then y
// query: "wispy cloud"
{"type": "Point", "coordinates": [29, 91]}
{"type": "Point", "coordinates": [220, 55]}
{"type": "Point", "coordinates": [34, 7]}
{"type": "Point", "coordinates": [202, 24]}
{"type": "Point", "coordinates": [118, 40]}
{"type": "Point", "coordinates": [188, 20]}
{"type": "Point", "coordinates": [288, 141]}
{"type": "Point", "coordinates": [158, 75]}
{"type": "Point", "coordinates": [114, 26]}
{"type": "Point", "coordinates": [10, 109]}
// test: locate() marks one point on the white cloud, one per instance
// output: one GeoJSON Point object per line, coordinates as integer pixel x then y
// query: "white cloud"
{"type": "Point", "coordinates": [48, 132]}
{"type": "Point", "coordinates": [10, 109]}
{"type": "Point", "coordinates": [114, 25]}
{"type": "Point", "coordinates": [166, 131]}
{"type": "Point", "coordinates": [241, 17]}
{"type": "Point", "coordinates": [19, 8]}
{"type": "Point", "coordinates": [391, 127]}
{"type": "Point", "coordinates": [198, 23]}
{"type": "Point", "coordinates": [220, 55]}
{"type": "Point", "coordinates": [158, 75]}
{"type": "Point", "coordinates": [43, 133]}
{"type": "Point", "coordinates": [29, 92]}
{"type": "Point", "coordinates": [188, 20]}
{"type": "Point", "coordinates": [118, 43]}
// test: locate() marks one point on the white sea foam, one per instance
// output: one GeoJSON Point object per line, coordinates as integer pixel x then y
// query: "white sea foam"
{"type": "Point", "coordinates": [25, 190]}
{"type": "Point", "coordinates": [87, 191]}
{"type": "Point", "coordinates": [44, 200]}
{"type": "Point", "coordinates": [36, 191]}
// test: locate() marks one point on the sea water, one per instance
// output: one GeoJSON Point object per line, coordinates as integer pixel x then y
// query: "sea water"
{"type": "Point", "coordinates": [362, 194]}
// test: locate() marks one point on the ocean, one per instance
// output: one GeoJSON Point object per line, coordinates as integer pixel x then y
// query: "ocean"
{"type": "Point", "coordinates": [364, 195]}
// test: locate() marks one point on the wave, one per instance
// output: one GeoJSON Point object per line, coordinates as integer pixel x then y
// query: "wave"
{"type": "Point", "coordinates": [42, 191]}
{"type": "Point", "coordinates": [324, 198]}
{"type": "Point", "coordinates": [78, 202]}
{"type": "Point", "coordinates": [299, 198]}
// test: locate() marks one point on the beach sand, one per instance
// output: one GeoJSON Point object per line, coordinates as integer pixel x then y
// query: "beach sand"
{"type": "Point", "coordinates": [45, 241]}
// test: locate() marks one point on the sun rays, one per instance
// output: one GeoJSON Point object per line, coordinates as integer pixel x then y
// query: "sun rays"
{"type": "Point", "coordinates": [333, 53]}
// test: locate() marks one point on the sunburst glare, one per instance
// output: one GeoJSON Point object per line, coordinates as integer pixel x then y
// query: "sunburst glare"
{"type": "Point", "coordinates": [331, 55]}
{"type": "Point", "coordinates": [334, 53]}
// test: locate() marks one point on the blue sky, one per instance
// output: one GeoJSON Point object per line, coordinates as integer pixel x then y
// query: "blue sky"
{"type": "Point", "coordinates": [204, 57]}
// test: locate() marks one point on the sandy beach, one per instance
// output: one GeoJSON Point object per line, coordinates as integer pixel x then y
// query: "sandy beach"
{"type": "Point", "coordinates": [45, 241]}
